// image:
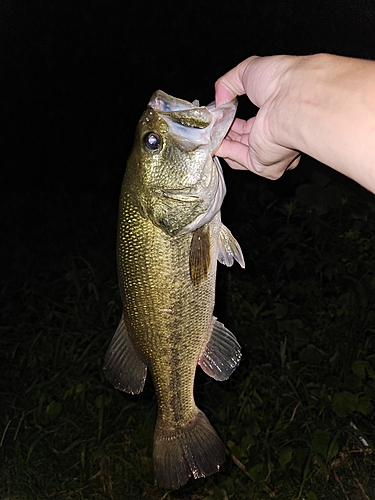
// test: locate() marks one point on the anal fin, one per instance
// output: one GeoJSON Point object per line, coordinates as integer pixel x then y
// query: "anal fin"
{"type": "Point", "coordinates": [122, 365]}
{"type": "Point", "coordinates": [222, 353]}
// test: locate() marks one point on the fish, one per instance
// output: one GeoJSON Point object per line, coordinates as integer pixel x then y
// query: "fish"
{"type": "Point", "coordinates": [170, 237]}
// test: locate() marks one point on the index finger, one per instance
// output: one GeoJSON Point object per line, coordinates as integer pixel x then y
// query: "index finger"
{"type": "Point", "coordinates": [231, 85]}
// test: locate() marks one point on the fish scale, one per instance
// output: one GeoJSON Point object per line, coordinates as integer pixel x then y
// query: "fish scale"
{"type": "Point", "coordinates": [169, 265]}
{"type": "Point", "coordinates": [170, 237]}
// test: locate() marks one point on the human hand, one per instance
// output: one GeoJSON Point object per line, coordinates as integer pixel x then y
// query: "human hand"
{"type": "Point", "coordinates": [260, 144]}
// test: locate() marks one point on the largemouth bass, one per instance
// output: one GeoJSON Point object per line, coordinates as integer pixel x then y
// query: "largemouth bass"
{"type": "Point", "coordinates": [170, 236]}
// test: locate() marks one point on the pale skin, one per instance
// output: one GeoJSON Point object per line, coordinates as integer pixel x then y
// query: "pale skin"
{"type": "Point", "coordinates": [322, 105]}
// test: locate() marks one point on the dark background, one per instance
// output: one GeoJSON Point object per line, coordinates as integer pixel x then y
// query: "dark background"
{"type": "Point", "coordinates": [76, 76]}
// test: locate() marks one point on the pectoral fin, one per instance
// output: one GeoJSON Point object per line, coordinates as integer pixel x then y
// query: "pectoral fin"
{"type": "Point", "coordinates": [122, 365]}
{"type": "Point", "coordinates": [222, 353]}
{"type": "Point", "coordinates": [199, 255]}
{"type": "Point", "coordinates": [229, 249]}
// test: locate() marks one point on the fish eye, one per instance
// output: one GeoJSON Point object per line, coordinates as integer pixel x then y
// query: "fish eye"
{"type": "Point", "coordinates": [152, 141]}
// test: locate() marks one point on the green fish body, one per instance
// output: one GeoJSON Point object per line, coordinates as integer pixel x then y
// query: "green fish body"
{"type": "Point", "coordinates": [170, 237]}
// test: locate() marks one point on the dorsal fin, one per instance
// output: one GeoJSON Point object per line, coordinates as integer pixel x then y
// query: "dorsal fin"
{"type": "Point", "coordinates": [122, 365]}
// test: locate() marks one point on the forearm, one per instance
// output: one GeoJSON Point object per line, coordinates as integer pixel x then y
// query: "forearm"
{"type": "Point", "coordinates": [328, 112]}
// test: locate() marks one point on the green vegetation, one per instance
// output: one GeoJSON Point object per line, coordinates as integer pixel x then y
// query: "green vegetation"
{"type": "Point", "coordinates": [297, 416]}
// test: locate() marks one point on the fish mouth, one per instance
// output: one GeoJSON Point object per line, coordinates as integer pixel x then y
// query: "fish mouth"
{"type": "Point", "coordinates": [160, 101]}
{"type": "Point", "coordinates": [192, 124]}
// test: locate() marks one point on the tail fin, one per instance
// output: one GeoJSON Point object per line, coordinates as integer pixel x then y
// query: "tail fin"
{"type": "Point", "coordinates": [193, 450]}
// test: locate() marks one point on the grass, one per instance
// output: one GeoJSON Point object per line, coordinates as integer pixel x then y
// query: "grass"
{"type": "Point", "coordinates": [297, 416]}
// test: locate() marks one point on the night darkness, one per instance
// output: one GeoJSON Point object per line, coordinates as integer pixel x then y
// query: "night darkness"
{"type": "Point", "coordinates": [75, 78]}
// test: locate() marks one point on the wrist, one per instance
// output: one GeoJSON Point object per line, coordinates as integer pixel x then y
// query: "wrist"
{"type": "Point", "coordinates": [328, 112]}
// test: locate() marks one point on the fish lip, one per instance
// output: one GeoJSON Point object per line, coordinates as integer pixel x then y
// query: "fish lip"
{"type": "Point", "coordinates": [163, 102]}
